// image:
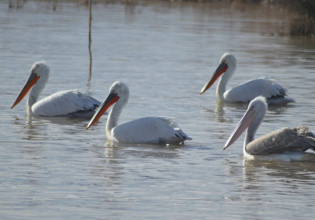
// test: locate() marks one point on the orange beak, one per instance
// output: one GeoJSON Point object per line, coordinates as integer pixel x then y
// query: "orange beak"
{"type": "Point", "coordinates": [218, 72]}
{"type": "Point", "coordinates": [246, 120]}
{"type": "Point", "coordinates": [110, 100]}
{"type": "Point", "coordinates": [29, 84]}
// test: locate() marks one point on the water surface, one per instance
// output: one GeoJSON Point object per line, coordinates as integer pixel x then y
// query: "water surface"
{"type": "Point", "coordinates": [55, 169]}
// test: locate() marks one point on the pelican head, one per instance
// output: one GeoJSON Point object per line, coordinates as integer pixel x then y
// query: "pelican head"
{"type": "Point", "coordinates": [226, 67]}
{"type": "Point", "coordinates": [121, 89]}
{"type": "Point", "coordinates": [251, 119]}
{"type": "Point", "coordinates": [37, 80]}
{"type": "Point", "coordinates": [118, 93]}
{"type": "Point", "coordinates": [40, 68]}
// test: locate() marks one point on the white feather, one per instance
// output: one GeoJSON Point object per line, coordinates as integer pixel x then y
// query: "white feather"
{"type": "Point", "coordinates": [253, 88]}
{"type": "Point", "coordinates": [65, 103]}
{"type": "Point", "coordinates": [156, 130]}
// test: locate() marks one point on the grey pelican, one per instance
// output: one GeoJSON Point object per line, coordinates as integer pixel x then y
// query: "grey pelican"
{"type": "Point", "coordinates": [284, 144]}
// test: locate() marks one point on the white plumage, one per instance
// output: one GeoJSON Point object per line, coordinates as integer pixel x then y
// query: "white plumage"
{"type": "Point", "coordinates": [150, 130]}
{"type": "Point", "coordinates": [273, 92]}
{"type": "Point", "coordinates": [285, 143]}
{"type": "Point", "coordinates": [157, 130]}
{"type": "Point", "coordinates": [253, 88]}
{"type": "Point", "coordinates": [69, 102]}
{"type": "Point", "coordinates": [64, 103]}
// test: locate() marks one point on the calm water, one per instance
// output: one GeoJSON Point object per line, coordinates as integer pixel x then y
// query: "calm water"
{"type": "Point", "coordinates": [54, 169]}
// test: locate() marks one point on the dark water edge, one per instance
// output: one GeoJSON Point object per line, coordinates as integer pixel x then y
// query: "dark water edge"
{"type": "Point", "coordinates": [299, 14]}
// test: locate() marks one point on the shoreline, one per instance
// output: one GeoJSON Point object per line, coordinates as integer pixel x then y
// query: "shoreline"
{"type": "Point", "coordinates": [300, 14]}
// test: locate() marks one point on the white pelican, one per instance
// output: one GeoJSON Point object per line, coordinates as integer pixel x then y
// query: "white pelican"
{"type": "Point", "coordinates": [274, 93]}
{"type": "Point", "coordinates": [149, 130]}
{"type": "Point", "coordinates": [64, 103]}
{"type": "Point", "coordinates": [285, 143]}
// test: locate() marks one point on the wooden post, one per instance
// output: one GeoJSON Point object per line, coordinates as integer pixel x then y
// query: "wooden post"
{"type": "Point", "coordinates": [90, 38]}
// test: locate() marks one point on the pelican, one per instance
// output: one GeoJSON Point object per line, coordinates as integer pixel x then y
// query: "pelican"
{"type": "Point", "coordinates": [285, 143]}
{"type": "Point", "coordinates": [274, 93]}
{"type": "Point", "coordinates": [64, 103]}
{"type": "Point", "coordinates": [149, 130]}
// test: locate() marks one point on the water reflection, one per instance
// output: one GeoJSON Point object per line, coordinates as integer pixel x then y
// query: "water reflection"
{"type": "Point", "coordinates": [142, 150]}
{"type": "Point", "coordinates": [253, 169]}
{"type": "Point", "coordinates": [16, 3]}
{"type": "Point", "coordinates": [31, 130]}
{"type": "Point", "coordinates": [110, 150]}
{"type": "Point", "coordinates": [110, 165]}
{"type": "Point", "coordinates": [275, 178]}
{"type": "Point", "coordinates": [219, 111]}
{"type": "Point", "coordinates": [45, 128]}
{"type": "Point", "coordinates": [118, 161]}
{"type": "Point", "coordinates": [27, 127]}
{"type": "Point", "coordinates": [252, 183]}
{"type": "Point", "coordinates": [54, 120]}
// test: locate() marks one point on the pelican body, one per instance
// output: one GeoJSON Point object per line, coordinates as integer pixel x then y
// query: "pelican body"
{"type": "Point", "coordinates": [287, 143]}
{"type": "Point", "coordinates": [274, 93]}
{"type": "Point", "coordinates": [149, 130]}
{"type": "Point", "coordinates": [64, 103]}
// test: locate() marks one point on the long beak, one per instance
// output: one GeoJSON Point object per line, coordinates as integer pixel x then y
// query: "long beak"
{"type": "Point", "coordinates": [29, 84]}
{"type": "Point", "coordinates": [247, 118]}
{"type": "Point", "coordinates": [110, 100]}
{"type": "Point", "coordinates": [217, 73]}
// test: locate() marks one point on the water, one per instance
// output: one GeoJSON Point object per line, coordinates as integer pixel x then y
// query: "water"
{"type": "Point", "coordinates": [55, 169]}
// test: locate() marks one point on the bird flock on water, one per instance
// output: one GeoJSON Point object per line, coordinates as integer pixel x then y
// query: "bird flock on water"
{"type": "Point", "coordinates": [284, 143]}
